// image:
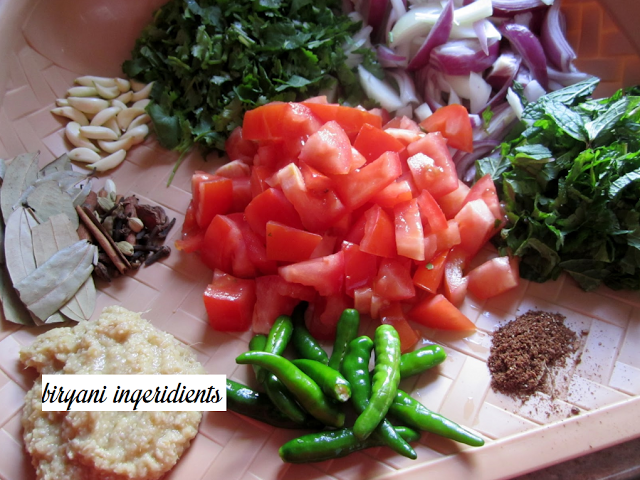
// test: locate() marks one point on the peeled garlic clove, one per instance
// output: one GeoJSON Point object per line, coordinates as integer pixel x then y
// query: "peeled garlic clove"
{"type": "Point", "coordinates": [125, 97]}
{"type": "Point", "coordinates": [136, 86]}
{"type": "Point", "coordinates": [140, 120]}
{"type": "Point", "coordinates": [112, 124]}
{"type": "Point", "coordinates": [117, 103]}
{"type": "Point", "coordinates": [123, 143]}
{"type": "Point", "coordinates": [110, 187]}
{"type": "Point", "coordinates": [123, 84]}
{"type": "Point", "coordinates": [72, 132]}
{"type": "Point", "coordinates": [138, 134]}
{"type": "Point", "coordinates": [82, 92]}
{"type": "Point", "coordinates": [72, 114]}
{"type": "Point", "coordinates": [85, 155]}
{"type": "Point", "coordinates": [141, 103]}
{"type": "Point", "coordinates": [103, 116]}
{"type": "Point", "coordinates": [62, 102]}
{"type": "Point", "coordinates": [109, 162]}
{"type": "Point", "coordinates": [107, 92]}
{"type": "Point", "coordinates": [142, 94]}
{"type": "Point", "coordinates": [90, 105]}
{"type": "Point", "coordinates": [126, 116]}
{"type": "Point", "coordinates": [98, 133]}
{"type": "Point", "coordinates": [89, 80]}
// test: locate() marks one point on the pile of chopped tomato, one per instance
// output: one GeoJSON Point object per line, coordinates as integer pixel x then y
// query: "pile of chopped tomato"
{"type": "Point", "coordinates": [342, 208]}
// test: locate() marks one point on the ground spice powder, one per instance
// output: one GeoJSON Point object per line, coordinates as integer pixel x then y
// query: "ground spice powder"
{"type": "Point", "coordinates": [524, 350]}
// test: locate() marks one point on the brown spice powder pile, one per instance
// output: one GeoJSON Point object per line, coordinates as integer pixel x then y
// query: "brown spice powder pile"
{"type": "Point", "coordinates": [525, 349]}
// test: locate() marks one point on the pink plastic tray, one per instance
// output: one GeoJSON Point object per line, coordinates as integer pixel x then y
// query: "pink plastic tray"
{"type": "Point", "coordinates": [45, 44]}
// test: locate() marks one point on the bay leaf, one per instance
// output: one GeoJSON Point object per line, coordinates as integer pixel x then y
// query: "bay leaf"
{"type": "Point", "coordinates": [21, 172]}
{"type": "Point", "coordinates": [13, 309]}
{"type": "Point", "coordinates": [50, 237]}
{"type": "Point", "coordinates": [18, 245]}
{"type": "Point", "coordinates": [60, 164]}
{"type": "Point", "coordinates": [51, 285]}
{"type": "Point", "coordinates": [47, 199]}
{"type": "Point", "coordinates": [79, 195]}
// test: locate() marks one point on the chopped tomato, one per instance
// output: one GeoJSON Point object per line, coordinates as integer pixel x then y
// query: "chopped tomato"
{"type": "Point", "coordinates": [239, 148]}
{"type": "Point", "coordinates": [455, 283]}
{"type": "Point", "coordinates": [362, 299]}
{"type": "Point", "coordinates": [328, 150]}
{"type": "Point", "coordinates": [333, 308]}
{"type": "Point", "coordinates": [451, 203]}
{"type": "Point", "coordinates": [234, 169]}
{"type": "Point", "coordinates": [393, 281]}
{"type": "Point", "coordinates": [393, 194]}
{"type": "Point", "coordinates": [279, 120]}
{"type": "Point", "coordinates": [358, 187]}
{"type": "Point", "coordinates": [453, 122]}
{"type": "Point", "coordinates": [484, 189]}
{"type": "Point", "coordinates": [192, 235]}
{"type": "Point", "coordinates": [274, 297]}
{"type": "Point", "coordinates": [312, 319]}
{"type": "Point", "coordinates": [476, 223]}
{"type": "Point", "coordinates": [259, 176]}
{"type": "Point", "coordinates": [428, 275]}
{"type": "Point", "coordinates": [379, 233]}
{"type": "Point", "coordinates": [408, 230]}
{"type": "Point", "coordinates": [288, 244]}
{"type": "Point", "coordinates": [372, 142]}
{"type": "Point", "coordinates": [360, 268]}
{"type": "Point", "coordinates": [432, 166]}
{"type": "Point", "coordinates": [431, 212]}
{"type": "Point", "coordinates": [317, 210]}
{"type": "Point", "coordinates": [403, 123]}
{"type": "Point", "coordinates": [438, 312]}
{"type": "Point", "coordinates": [445, 239]}
{"type": "Point", "coordinates": [212, 195]}
{"type": "Point", "coordinates": [494, 277]}
{"type": "Point", "coordinates": [393, 315]}
{"type": "Point", "coordinates": [325, 274]}
{"type": "Point", "coordinates": [224, 248]}
{"type": "Point", "coordinates": [350, 119]}
{"type": "Point", "coordinates": [313, 179]}
{"type": "Point", "coordinates": [240, 193]}
{"type": "Point", "coordinates": [271, 205]}
{"type": "Point", "coordinates": [229, 302]}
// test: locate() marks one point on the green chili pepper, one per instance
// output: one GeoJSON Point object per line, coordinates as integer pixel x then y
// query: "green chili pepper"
{"type": "Point", "coordinates": [303, 342]}
{"type": "Point", "coordinates": [412, 363]}
{"type": "Point", "coordinates": [331, 382]}
{"type": "Point", "coordinates": [386, 377]}
{"type": "Point", "coordinates": [346, 330]}
{"type": "Point", "coordinates": [355, 368]}
{"type": "Point", "coordinates": [279, 335]}
{"type": "Point", "coordinates": [317, 447]}
{"type": "Point", "coordinates": [306, 391]}
{"type": "Point", "coordinates": [274, 388]}
{"type": "Point", "coordinates": [246, 401]}
{"type": "Point", "coordinates": [410, 411]}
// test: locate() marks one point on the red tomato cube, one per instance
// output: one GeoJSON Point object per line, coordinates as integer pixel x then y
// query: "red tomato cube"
{"type": "Point", "coordinates": [494, 277]}
{"type": "Point", "coordinates": [229, 302]}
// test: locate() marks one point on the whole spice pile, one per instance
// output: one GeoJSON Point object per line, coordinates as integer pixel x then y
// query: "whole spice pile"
{"type": "Point", "coordinates": [525, 349]}
{"type": "Point", "coordinates": [128, 233]}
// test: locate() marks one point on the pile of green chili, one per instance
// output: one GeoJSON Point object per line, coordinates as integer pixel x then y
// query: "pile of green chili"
{"type": "Point", "coordinates": [314, 390]}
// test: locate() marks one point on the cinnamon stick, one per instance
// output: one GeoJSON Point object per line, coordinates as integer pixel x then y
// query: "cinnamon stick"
{"type": "Point", "coordinates": [104, 240]}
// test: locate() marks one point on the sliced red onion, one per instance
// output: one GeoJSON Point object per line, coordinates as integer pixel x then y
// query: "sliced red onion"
{"type": "Point", "coordinates": [554, 41]}
{"type": "Point", "coordinates": [533, 91]}
{"type": "Point", "coordinates": [566, 78]}
{"type": "Point", "coordinates": [529, 47]}
{"type": "Point", "coordinates": [438, 35]}
{"type": "Point", "coordinates": [523, 19]}
{"type": "Point", "coordinates": [376, 12]}
{"type": "Point", "coordinates": [481, 33]}
{"type": "Point", "coordinates": [459, 57]}
{"type": "Point", "coordinates": [464, 160]}
{"type": "Point", "coordinates": [422, 111]}
{"type": "Point", "coordinates": [471, 87]}
{"type": "Point", "coordinates": [508, 8]}
{"type": "Point", "coordinates": [399, 6]}
{"type": "Point", "coordinates": [476, 120]}
{"type": "Point", "coordinates": [389, 58]}
{"type": "Point", "coordinates": [514, 100]}
{"type": "Point", "coordinates": [379, 90]}
{"type": "Point", "coordinates": [503, 70]}
{"type": "Point", "coordinates": [405, 86]}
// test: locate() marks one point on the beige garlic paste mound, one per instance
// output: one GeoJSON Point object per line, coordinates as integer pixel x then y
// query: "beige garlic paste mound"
{"type": "Point", "coordinates": [107, 445]}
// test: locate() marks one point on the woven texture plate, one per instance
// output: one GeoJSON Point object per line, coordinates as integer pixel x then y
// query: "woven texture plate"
{"type": "Point", "coordinates": [45, 45]}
